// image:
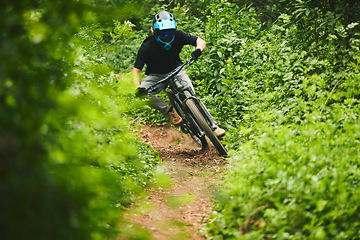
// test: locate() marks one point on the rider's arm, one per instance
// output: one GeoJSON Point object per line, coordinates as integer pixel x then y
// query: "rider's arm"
{"type": "Point", "coordinates": [136, 74]}
{"type": "Point", "coordinates": [200, 44]}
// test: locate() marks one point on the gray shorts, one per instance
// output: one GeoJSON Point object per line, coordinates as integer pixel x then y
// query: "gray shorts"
{"type": "Point", "coordinates": [157, 102]}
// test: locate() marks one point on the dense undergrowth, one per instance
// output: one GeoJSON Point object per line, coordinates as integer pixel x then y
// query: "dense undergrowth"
{"type": "Point", "coordinates": [292, 117]}
{"type": "Point", "coordinates": [70, 161]}
{"type": "Point", "coordinates": [282, 77]}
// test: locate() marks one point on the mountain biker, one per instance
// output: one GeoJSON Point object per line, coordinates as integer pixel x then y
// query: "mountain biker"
{"type": "Point", "coordinates": [160, 52]}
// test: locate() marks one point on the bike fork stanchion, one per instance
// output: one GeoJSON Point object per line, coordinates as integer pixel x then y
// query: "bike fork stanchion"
{"type": "Point", "coordinates": [206, 113]}
{"type": "Point", "coordinates": [203, 110]}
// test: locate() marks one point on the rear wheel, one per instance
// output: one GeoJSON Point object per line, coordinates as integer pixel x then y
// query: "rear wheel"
{"type": "Point", "coordinates": [199, 118]}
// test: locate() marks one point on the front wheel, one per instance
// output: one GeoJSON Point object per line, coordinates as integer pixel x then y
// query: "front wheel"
{"type": "Point", "coordinates": [199, 118]}
{"type": "Point", "coordinates": [188, 124]}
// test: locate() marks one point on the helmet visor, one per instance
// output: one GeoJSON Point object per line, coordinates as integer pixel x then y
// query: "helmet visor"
{"type": "Point", "coordinates": [166, 35]}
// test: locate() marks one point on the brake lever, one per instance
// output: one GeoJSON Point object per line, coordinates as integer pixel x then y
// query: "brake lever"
{"type": "Point", "coordinates": [189, 62]}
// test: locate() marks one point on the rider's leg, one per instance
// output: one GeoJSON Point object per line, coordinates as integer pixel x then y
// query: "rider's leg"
{"type": "Point", "coordinates": [157, 102]}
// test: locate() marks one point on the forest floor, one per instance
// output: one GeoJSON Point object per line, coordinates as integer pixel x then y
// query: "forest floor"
{"type": "Point", "coordinates": [181, 210]}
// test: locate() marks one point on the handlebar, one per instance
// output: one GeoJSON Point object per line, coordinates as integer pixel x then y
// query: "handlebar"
{"type": "Point", "coordinates": [172, 74]}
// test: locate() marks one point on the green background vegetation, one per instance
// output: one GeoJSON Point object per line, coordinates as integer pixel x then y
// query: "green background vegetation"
{"type": "Point", "coordinates": [282, 77]}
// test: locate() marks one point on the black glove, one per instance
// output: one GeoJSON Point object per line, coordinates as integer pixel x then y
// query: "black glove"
{"type": "Point", "coordinates": [141, 92]}
{"type": "Point", "coordinates": [195, 54]}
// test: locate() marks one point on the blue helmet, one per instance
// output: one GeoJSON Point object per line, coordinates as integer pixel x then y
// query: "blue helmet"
{"type": "Point", "coordinates": [164, 26]}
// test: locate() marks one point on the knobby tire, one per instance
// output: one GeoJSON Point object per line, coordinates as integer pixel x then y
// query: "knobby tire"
{"type": "Point", "coordinates": [199, 140]}
{"type": "Point", "coordinates": [205, 126]}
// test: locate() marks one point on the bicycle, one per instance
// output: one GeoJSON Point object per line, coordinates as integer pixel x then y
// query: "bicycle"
{"type": "Point", "coordinates": [196, 121]}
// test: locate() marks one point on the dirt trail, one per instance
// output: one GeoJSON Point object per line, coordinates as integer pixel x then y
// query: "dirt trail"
{"type": "Point", "coordinates": [180, 211]}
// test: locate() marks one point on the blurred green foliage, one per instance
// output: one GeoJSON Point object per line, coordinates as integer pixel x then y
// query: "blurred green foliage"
{"type": "Point", "coordinates": [69, 161]}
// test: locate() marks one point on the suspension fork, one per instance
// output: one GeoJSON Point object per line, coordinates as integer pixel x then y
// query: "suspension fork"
{"type": "Point", "coordinates": [178, 97]}
{"type": "Point", "coordinates": [188, 94]}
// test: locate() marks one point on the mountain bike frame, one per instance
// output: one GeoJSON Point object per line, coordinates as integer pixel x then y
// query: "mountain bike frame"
{"type": "Point", "coordinates": [190, 109]}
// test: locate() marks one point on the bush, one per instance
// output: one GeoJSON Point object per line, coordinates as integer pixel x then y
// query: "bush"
{"type": "Point", "coordinates": [291, 118]}
{"type": "Point", "coordinates": [293, 182]}
{"type": "Point", "coordinates": [69, 160]}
